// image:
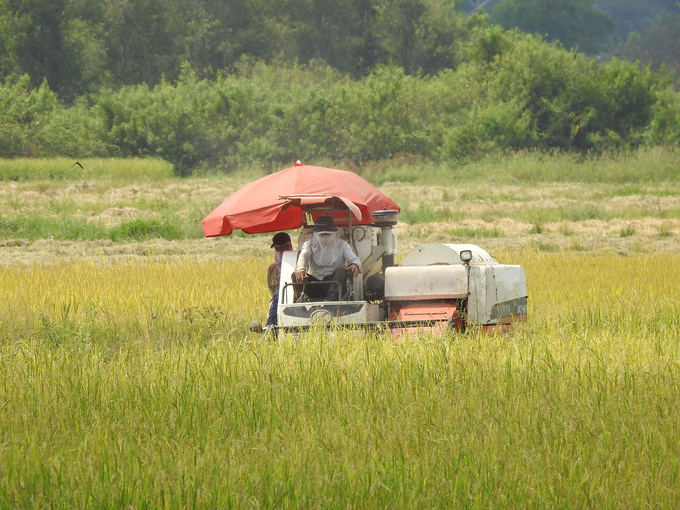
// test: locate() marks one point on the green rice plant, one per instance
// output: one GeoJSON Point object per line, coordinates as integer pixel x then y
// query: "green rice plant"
{"type": "Point", "coordinates": [576, 246]}
{"type": "Point", "coordinates": [546, 246]}
{"type": "Point", "coordinates": [632, 170]}
{"type": "Point", "coordinates": [640, 167]}
{"type": "Point", "coordinates": [665, 230]}
{"type": "Point", "coordinates": [640, 247]}
{"type": "Point", "coordinates": [536, 228]}
{"type": "Point", "coordinates": [36, 226]}
{"type": "Point", "coordinates": [628, 190]}
{"type": "Point", "coordinates": [578, 211]}
{"type": "Point", "coordinates": [670, 213]}
{"type": "Point", "coordinates": [411, 172]}
{"type": "Point", "coordinates": [581, 212]}
{"type": "Point", "coordinates": [141, 229]}
{"type": "Point", "coordinates": [480, 233]}
{"type": "Point", "coordinates": [420, 230]}
{"type": "Point", "coordinates": [63, 169]}
{"type": "Point", "coordinates": [425, 213]}
{"type": "Point", "coordinates": [627, 231]}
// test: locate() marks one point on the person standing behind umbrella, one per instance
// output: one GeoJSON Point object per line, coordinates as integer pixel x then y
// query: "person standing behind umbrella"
{"type": "Point", "coordinates": [280, 242]}
{"type": "Point", "coordinates": [324, 259]}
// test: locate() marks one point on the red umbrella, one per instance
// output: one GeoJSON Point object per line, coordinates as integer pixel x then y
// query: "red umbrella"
{"type": "Point", "coordinates": [279, 201]}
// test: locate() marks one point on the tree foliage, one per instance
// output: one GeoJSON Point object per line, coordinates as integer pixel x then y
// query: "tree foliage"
{"type": "Point", "coordinates": [513, 92]}
{"type": "Point", "coordinates": [657, 46]}
{"type": "Point", "coordinates": [574, 23]}
{"type": "Point", "coordinates": [636, 16]}
{"type": "Point", "coordinates": [35, 42]}
{"type": "Point", "coordinates": [225, 83]}
{"type": "Point", "coordinates": [82, 46]}
{"type": "Point", "coordinates": [79, 46]}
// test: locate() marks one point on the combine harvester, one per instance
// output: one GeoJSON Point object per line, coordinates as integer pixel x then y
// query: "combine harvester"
{"type": "Point", "coordinates": [434, 288]}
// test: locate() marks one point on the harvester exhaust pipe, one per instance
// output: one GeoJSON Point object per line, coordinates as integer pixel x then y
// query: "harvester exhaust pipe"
{"type": "Point", "coordinates": [386, 219]}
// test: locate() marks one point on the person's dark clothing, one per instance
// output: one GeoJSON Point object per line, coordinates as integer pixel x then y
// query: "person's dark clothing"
{"type": "Point", "coordinates": [328, 290]}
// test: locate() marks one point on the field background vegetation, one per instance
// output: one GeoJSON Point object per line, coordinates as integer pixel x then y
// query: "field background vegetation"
{"type": "Point", "coordinates": [128, 378]}
{"type": "Point", "coordinates": [626, 202]}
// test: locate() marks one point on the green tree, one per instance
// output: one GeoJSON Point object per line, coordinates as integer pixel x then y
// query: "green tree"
{"type": "Point", "coordinates": [574, 23]}
{"type": "Point", "coordinates": [634, 15]}
{"type": "Point", "coordinates": [49, 40]}
{"type": "Point", "coordinates": [23, 114]}
{"type": "Point", "coordinates": [424, 35]}
{"type": "Point", "coordinates": [140, 46]}
{"type": "Point", "coordinates": [213, 34]}
{"type": "Point", "coordinates": [477, 5]}
{"type": "Point", "coordinates": [343, 34]}
{"type": "Point", "coordinates": [401, 21]}
{"type": "Point", "coordinates": [340, 32]}
{"type": "Point", "coordinates": [34, 42]}
{"type": "Point", "coordinates": [657, 46]}
{"type": "Point", "coordinates": [524, 93]}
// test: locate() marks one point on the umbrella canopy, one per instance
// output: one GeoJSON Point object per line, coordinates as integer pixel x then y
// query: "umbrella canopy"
{"type": "Point", "coordinates": [279, 201]}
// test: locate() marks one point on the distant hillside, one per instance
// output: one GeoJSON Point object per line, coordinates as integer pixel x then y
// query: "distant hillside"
{"type": "Point", "coordinates": [629, 15]}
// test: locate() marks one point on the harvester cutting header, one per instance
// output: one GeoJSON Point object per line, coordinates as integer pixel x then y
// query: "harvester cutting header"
{"type": "Point", "coordinates": [346, 222]}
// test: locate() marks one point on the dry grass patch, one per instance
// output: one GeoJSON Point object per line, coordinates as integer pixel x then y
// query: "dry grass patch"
{"type": "Point", "coordinates": [495, 214]}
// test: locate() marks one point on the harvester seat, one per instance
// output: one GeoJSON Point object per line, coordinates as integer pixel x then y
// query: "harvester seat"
{"type": "Point", "coordinates": [325, 291]}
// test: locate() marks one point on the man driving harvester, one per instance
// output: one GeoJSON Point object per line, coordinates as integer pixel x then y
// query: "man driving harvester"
{"type": "Point", "coordinates": [325, 258]}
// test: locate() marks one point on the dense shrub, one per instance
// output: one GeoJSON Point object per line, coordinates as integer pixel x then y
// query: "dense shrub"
{"type": "Point", "coordinates": [23, 114]}
{"type": "Point", "coordinates": [531, 94]}
{"type": "Point", "coordinates": [513, 92]}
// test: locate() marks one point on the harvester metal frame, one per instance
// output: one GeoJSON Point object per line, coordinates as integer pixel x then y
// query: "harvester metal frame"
{"type": "Point", "coordinates": [436, 287]}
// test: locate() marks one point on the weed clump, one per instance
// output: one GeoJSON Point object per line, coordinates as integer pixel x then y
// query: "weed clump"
{"type": "Point", "coordinates": [627, 231]}
{"type": "Point", "coordinates": [536, 228]}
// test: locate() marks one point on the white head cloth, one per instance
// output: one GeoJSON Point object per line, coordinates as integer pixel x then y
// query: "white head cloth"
{"type": "Point", "coordinates": [324, 248]}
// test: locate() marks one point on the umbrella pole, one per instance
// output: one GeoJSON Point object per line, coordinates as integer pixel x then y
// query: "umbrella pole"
{"type": "Point", "coordinates": [351, 239]}
{"type": "Point", "coordinates": [349, 232]}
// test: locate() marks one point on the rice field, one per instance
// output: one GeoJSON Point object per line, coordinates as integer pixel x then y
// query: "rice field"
{"type": "Point", "coordinates": [128, 378]}
{"type": "Point", "coordinates": [137, 385]}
